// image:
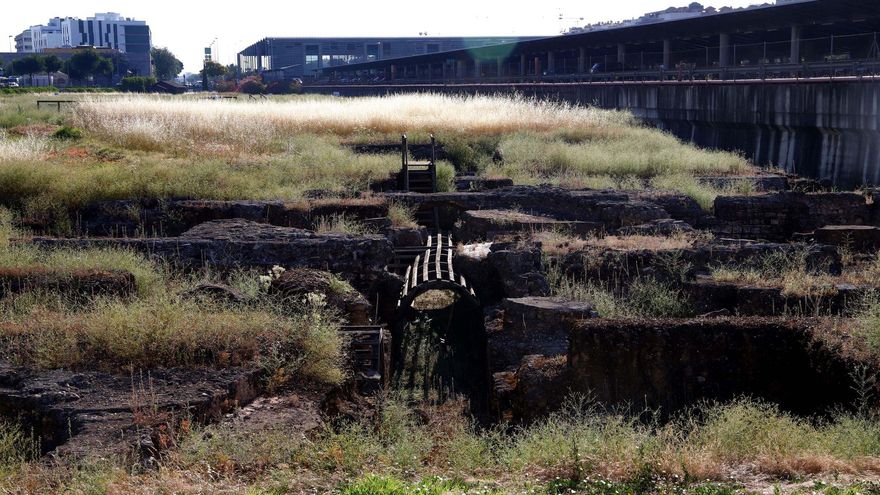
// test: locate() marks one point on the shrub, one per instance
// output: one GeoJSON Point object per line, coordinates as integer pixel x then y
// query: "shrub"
{"type": "Point", "coordinates": [16, 446]}
{"type": "Point", "coordinates": [137, 84]}
{"type": "Point", "coordinates": [401, 215]}
{"type": "Point", "coordinates": [251, 86]}
{"type": "Point", "coordinates": [225, 87]}
{"type": "Point", "coordinates": [68, 133]}
{"type": "Point", "coordinates": [342, 224]}
{"type": "Point", "coordinates": [28, 90]}
{"type": "Point", "coordinates": [445, 177]}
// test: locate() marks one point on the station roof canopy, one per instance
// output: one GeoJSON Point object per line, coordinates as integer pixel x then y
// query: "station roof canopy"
{"type": "Point", "coordinates": [762, 18]}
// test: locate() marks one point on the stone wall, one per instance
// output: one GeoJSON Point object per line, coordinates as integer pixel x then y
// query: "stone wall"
{"type": "Point", "coordinates": [670, 364]}
{"type": "Point", "coordinates": [779, 216]}
{"type": "Point", "coordinates": [227, 244]}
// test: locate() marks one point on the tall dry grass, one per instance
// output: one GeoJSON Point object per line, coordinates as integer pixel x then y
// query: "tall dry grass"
{"type": "Point", "coordinates": [27, 147]}
{"type": "Point", "coordinates": [151, 122]}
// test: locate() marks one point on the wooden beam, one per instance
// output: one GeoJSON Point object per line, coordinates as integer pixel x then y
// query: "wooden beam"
{"type": "Point", "coordinates": [416, 272]}
{"type": "Point", "coordinates": [449, 264]}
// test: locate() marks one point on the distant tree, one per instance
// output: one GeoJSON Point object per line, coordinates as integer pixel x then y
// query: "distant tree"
{"type": "Point", "coordinates": [213, 69]}
{"type": "Point", "coordinates": [695, 7]}
{"type": "Point", "coordinates": [233, 71]}
{"type": "Point", "coordinates": [165, 64]}
{"type": "Point", "coordinates": [30, 65]}
{"type": "Point", "coordinates": [83, 64]}
{"type": "Point", "coordinates": [88, 63]}
{"type": "Point", "coordinates": [105, 68]}
{"type": "Point", "coordinates": [52, 63]}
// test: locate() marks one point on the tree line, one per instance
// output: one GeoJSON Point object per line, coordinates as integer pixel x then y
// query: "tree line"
{"type": "Point", "coordinates": [88, 63]}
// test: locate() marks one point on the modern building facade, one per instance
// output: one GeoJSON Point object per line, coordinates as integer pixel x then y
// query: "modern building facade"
{"type": "Point", "coordinates": [24, 42]}
{"type": "Point", "coordinates": [104, 30]}
{"type": "Point", "coordinates": [304, 57]}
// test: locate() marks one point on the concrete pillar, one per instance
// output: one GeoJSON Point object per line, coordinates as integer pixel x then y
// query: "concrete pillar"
{"type": "Point", "coordinates": [551, 62]}
{"type": "Point", "coordinates": [460, 67]}
{"type": "Point", "coordinates": [667, 54]}
{"type": "Point", "coordinates": [795, 44]}
{"type": "Point", "coordinates": [500, 64]}
{"type": "Point", "coordinates": [393, 72]}
{"type": "Point", "coordinates": [582, 60]}
{"type": "Point", "coordinates": [478, 68]}
{"type": "Point", "coordinates": [538, 67]}
{"type": "Point", "coordinates": [522, 65]}
{"type": "Point", "coordinates": [724, 50]}
{"type": "Point", "coordinates": [621, 53]}
{"type": "Point", "coordinates": [445, 70]}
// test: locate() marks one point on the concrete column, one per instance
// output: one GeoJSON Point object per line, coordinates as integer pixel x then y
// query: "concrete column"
{"type": "Point", "coordinates": [478, 68]}
{"type": "Point", "coordinates": [621, 53]}
{"type": "Point", "coordinates": [795, 44]}
{"type": "Point", "coordinates": [538, 67]}
{"type": "Point", "coordinates": [393, 72]}
{"type": "Point", "coordinates": [522, 65]}
{"type": "Point", "coordinates": [460, 67]}
{"type": "Point", "coordinates": [445, 70]}
{"type": "Point", "coordinates": [551, 62]}
{"type": "Point", "coordinates": [500, 64]}
{"type": "Point", "coordinates": [582, 60]}
{"type": "Point", "coordinates": [724, 50]}
{"type": "Point", "coordinates": [667, 54]}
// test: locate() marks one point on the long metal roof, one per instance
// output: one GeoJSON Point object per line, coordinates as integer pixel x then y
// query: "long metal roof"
{"type": "Point", "coordinates": [766, 17]}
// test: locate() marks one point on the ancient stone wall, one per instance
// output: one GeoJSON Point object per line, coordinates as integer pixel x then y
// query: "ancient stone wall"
{"type": "Point", "coordinates": [779, 216]}
{"type": "Point", "coordinates": [671, 364]}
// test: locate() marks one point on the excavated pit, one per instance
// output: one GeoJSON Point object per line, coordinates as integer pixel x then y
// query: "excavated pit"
{"type": "Point", "coordinates": [517, 353]}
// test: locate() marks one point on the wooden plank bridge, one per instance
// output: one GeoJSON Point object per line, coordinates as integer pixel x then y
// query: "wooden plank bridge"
{"type": "Point", "coordinates": [432, 269]}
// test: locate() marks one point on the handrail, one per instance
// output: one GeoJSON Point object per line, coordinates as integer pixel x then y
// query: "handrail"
{"type": "Point", "coordinates": [404, 147]}
{"type": "Point", "coordinates": [433, 165]}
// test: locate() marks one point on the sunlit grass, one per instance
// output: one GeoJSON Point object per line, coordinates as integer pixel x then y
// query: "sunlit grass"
{"type": "Point", "coordinates": [144, 122]}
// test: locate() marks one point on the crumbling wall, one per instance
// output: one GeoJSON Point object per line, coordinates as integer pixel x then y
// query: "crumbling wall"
{"type": "Point", "coordinates": [778, 217]}
{"type": "Point", "coordinates": [671, 364]}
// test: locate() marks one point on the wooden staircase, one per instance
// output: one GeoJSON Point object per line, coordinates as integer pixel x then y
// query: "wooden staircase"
{"type": "Point", "coordinates": [420, 177]}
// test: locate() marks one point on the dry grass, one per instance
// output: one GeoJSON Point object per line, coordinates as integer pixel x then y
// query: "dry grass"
{"type": "Point", "coordinates": [561, 243]}
{"type": "Point", "coordinates": [164, 331]}
{"type": "Point", "coordinates": [790, 271]}
{"type": "Point", "coordinates": [310, 163]}
{"type": "Point", "coordinates": [402, 215]}
{"type": "Point", "coordinates": [342, 224]}
{"type": "Point", "coordinates": [148, 122]}
{"type": "Point", "coordinates": [28, 147]}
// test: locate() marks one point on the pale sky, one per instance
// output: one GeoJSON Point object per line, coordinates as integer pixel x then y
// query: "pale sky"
{"type": "Point", "coordinates": [186, 27]}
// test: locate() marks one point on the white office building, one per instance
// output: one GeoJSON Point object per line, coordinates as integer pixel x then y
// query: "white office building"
{"type": "Point", "coordinates": [104, 30]}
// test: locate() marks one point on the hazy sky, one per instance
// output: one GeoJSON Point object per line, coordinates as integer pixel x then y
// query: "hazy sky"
{"type": "Point", "coordinates": [186, 27]}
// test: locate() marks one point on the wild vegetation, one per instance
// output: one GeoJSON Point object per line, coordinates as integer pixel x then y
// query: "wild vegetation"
{"type": "Point", "coordinates": [147, 147]}
{"type": "Point", "coordinates": [580, 449]}
{"type": "Point", "coordinates": [130, 147]}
